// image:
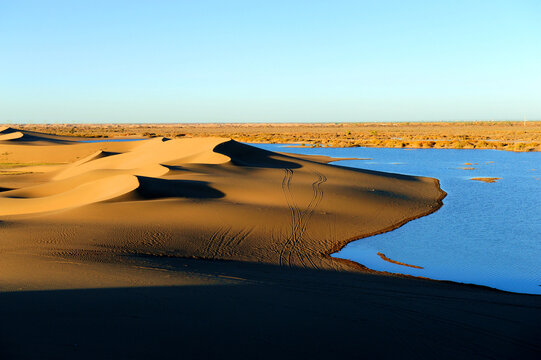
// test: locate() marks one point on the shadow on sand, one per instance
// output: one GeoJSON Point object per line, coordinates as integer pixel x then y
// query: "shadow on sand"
{"type": "Point", "coordinates": [268, 313]}
{"type": "Point", "coordinates": [155, 188]}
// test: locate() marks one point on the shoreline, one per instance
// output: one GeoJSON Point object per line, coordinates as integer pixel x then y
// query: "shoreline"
{"type": "Point", "coordinates": [360, 267]}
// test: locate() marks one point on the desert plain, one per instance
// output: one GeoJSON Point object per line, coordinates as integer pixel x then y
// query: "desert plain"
{"type": "Point", "coordinates": [189, 243]}
{"type": "Point", "coordinates": [498, 135]}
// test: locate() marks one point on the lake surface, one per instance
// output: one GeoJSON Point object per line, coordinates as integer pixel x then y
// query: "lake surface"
{"type": "Point", "coordinates": [485, 233]}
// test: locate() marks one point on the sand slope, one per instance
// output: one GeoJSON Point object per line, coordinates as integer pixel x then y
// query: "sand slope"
{"type": "Point", "coordinates": [114, 250]}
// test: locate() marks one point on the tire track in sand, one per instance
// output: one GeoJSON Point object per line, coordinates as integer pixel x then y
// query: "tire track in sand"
{"type": "Point", "coordinates": [294, 245]}
{"type": "Point", "coordinates": [223, 241]}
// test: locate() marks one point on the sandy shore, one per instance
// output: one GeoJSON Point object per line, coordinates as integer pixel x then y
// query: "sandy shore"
{"type": "Point", "coordinates": [205, 247]}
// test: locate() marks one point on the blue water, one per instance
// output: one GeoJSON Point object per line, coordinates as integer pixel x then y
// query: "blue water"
{"type": "Point", "coordinates": [109, 140]}
{"type": "Point", "coordinates": [485, 234]}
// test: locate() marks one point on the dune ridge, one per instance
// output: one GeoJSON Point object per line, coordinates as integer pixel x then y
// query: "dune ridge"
{"type": "Point", "coordinates": [102, 176]}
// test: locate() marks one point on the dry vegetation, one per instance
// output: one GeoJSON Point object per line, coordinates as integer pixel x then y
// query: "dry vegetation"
{"type": "Point", "coordinates": [513, 136]}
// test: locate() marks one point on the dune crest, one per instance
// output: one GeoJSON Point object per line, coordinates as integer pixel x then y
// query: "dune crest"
{"type": "Point", "coordinates": [151, 154]}
{"type": "Point", "coordinates": [11, 136]}
{"type": "Point", "coordinates": [87, 193]}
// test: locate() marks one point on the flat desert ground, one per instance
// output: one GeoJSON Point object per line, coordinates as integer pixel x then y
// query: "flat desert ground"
{"type": "Point", "coordinates": [500, 135]}
{"type": "Point", "coordinates": [204, 247]}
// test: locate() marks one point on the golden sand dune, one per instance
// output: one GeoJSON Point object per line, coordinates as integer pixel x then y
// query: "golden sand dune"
{"type": "Point", "coordinates": [150, 154]}
{"type": "Point", "coordinates": [22, 146]}
{"type": "Point", "coordinates": [87, 193]}
{"type": "Point", "coordinates": [208, 198]}
{"type": "Point", "coordinates": [115, 245]}
{"type": "Point", "coordinates": [10, 136]}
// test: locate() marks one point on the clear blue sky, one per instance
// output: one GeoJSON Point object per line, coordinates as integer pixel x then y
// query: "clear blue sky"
{"type": "Point", "coordinates": [243, 61]}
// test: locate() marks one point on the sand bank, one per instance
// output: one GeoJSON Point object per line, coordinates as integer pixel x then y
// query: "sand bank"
{"type": "Point", "coordinates": [208, 198]}
{"type": "Point", "coordinates": [486, 179]}
{"type": "Point", "coordinates": [209, 248]}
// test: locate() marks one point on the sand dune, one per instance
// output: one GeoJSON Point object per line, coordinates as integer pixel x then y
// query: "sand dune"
{"type": "Point", "coordinates": [87, 193]}
{"type": "Point", "coordinates": [151, 154]}
{"type": "Point", "coordinates": [10, 135]}
{"type": "Point", "coordinates": [209, 198]}
{"type": "Point", "coordinates": [32, 137]}
{"type": "Point", "coordinates": [162, 212]}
